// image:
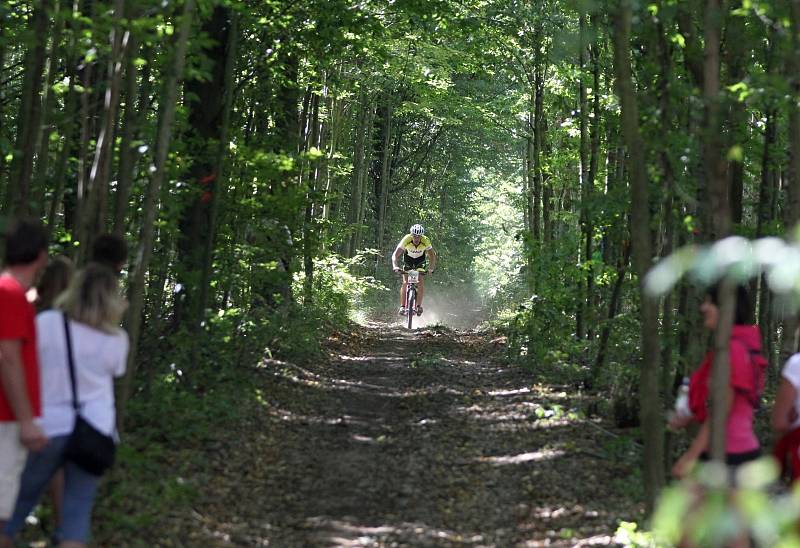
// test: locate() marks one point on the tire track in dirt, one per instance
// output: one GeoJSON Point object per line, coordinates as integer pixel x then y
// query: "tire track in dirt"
{"type": "Point", "coordinates": [414, 439]}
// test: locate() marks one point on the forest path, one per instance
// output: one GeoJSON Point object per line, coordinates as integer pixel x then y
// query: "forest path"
{"type": "Point", "coordinates": [413, 439]}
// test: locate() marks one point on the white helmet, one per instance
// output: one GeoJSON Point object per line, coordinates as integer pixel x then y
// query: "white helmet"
{"type": "Point", "coordinates": [417, 230]}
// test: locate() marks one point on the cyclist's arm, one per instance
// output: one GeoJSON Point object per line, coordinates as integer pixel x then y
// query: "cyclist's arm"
{"type": "Point", "coordinates": [395, 256]}
{"type": "Point", "coordinates": [433, 259]}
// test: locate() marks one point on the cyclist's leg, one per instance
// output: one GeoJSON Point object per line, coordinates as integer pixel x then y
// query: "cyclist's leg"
{"type": "Point", "coordinates": [403, 289]}
{"type": "Point", "coordinates": [423, 264]}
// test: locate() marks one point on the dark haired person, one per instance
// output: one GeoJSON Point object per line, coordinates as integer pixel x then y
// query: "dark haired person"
{"type": "Point", "coordinates": [747, 366]}
{"type": "Point", "coordinates": [55, 278]}
{"type": "Point", "coordinates": [110, 250]}
{"type": "Point", "coordinates": [20, 400]}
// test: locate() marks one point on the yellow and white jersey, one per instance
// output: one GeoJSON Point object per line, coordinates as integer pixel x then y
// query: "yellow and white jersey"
{"type": "Point", "coordinates": [415, 251]}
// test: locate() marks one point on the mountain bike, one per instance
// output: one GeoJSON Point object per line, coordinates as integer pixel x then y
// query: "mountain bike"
{"type": "Point", "coordinates": [411, 294]}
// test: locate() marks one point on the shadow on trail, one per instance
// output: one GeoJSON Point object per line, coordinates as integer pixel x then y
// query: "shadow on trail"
{"type": "Point", "coordinates": [415, 439]}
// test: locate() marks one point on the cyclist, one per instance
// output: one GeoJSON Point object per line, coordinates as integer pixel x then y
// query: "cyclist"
{"type": "Point", "coordinates": [415, 248]}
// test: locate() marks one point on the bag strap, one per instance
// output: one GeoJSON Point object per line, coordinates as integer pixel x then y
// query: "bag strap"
{"type": "Point", "coordinates": [71, 363]}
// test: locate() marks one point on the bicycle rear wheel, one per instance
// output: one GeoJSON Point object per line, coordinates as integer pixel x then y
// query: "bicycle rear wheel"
{"type": "Point", "coordinates": [411, 304]}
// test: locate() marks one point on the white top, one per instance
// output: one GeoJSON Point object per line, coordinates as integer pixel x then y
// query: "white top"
{"type": "Point", "coordinates": [98, 356]}
{"type": "Point", "coordinates": [791, 372]}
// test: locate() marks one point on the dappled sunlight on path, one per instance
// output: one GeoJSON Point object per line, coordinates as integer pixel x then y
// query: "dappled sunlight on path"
{"type": "Point", "coordinates": [415, 439]}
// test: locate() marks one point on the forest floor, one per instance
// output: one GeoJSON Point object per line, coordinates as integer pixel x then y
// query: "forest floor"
{"type": "Point", "coordinates": [418, 438]}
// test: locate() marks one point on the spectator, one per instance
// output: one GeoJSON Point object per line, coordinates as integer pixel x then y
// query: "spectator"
{"type": "Point", "coordinates": [110, 250]}
{"type": "Point", "coordinates": [100, 348]}
{"type": "Point", "coordinates": [785, 420]}
{"type": "Point", "coordinates": [20, 402]}
{"type": "Point", "coordinates": [747, 367]}
{"type": "Point", "coordinates": [54, 280]}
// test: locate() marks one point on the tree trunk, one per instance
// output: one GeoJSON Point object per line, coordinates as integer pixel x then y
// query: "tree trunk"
{"type": "Point", "coordinates": [718, 192]}
{"type": "Point", "coordinates": [362, 208]}
{"type": "Point", "coordinates": [791, 208]}
{"type": "Point", "coordinates": [538, 198]}
{"type": "Point", "coordinates": [613, 307]}
{"type": "Point", "coordinates": [30, 113]}
{"type": "Point", "coordinates": [94, 208]}
{"type": "Point", "coordinates": [68, 130]}
{"type": "Point", "coordinates": [356, 180]}
{"type": "Point", "coordinates": [586, 236]}
{"type": "Point", "coordinates": [41, 179]}
{"type": "Point", "coordinates": [221, 153]}
{"type": "Point", "coordinates": [668, 196]}
{"type": "Point", "coordinates": [3, 41]}
{"type": "Point", "coordinates": [309, 239]}
{"type": "Point", "coordinates": [131, 127]}
{"type": "Point", "coordinates": [208, 119]}
{"type": "Point", "coordinates": [136, 293]}
{"type": "Point", "coordinates": [386, 160]}
{"type": "Point", "coordinates": [652, 424]}
{"type": "Point", "coordinates": [736, 50]}
{"type": "Point", "coordinates": [594, 154]}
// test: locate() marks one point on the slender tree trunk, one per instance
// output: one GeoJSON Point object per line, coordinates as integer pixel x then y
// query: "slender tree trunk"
{"type": "Point", "coordinates": [46, 126]}
{"type": "Point", "coordinates": [30, 113]}
{"type": "Point", "coordinates": [368, 150]}
{"type": "Point", "coordinates": [668, 195]}
{"type": "Point", "coordinates": [718, 192]}
{"type": "Point", "coordinates": [361, 128]}
{"type": "Point", "coordinates": [613, 308]}
{"type": "Point", "coordinates": [131, 127]}
{"type": "Point", "coordinates": [534, 186]}
{"type": "Point", "coordinates": [763, 217]}
{"type": "Point", "coordinates": [386, 161]}
{"type": "Point", "coordinates": [538, 198]}
{"type": "Point", "coordinates": [309, 240]}
{"type": "Point", "coordinates": [96, 197]}
{"type": "Point", "coordinates": [583, 257]}
{"type": "Point", "coordinates": [68, 127]}
{"type": "Point", "coordinates": [791, 208]}
{"type": "Point", "coordinates": [594, 141]}
{"type": "Point", "coordinates": [136, 290]}
{"type": "Point", "coordinates": [4, 9]}
{"type": "Point", "coordinates": [649, 394]}
{"type": "Point", "coordinates": [736, 51]}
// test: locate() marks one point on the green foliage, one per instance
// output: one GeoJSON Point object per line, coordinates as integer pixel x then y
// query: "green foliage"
{"type": "Point", "coordinates": [338, 293]}
{"type": "Point", "coordinates": [704, 511]}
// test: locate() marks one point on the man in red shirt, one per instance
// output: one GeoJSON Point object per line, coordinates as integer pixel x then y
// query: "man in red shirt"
{"type": "Point", "coordinates": [20, 398]}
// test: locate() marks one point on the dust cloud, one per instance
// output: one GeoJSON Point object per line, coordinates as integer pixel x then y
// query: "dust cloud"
{"type": "Point", "coordinates": [457, 307]}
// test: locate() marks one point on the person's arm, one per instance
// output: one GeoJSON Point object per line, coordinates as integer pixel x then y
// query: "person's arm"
{"type": "Point", "coordinates": [433, 260]}
{"type": "Point", "coordinates": [12, 377]}
{"type": "Point", "coordinates": [398, 251]}
{"type": "Point", "coordinates": [783, 412]}
{"type": "Point", "coordinates": [676, 422]}
{"type": "Point", "coordinates": [699, 444]}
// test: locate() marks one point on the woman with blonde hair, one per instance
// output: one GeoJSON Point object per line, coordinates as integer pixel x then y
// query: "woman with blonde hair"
{"type": "Point", "coordinates": [91, 308]}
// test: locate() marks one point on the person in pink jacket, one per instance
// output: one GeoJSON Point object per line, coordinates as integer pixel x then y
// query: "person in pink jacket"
{"type": "Point", "coordinates": [747, 367]}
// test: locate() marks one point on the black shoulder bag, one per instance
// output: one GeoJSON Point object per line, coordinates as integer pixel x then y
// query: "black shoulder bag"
{"type": "Point", "coordinates": [87, 446]}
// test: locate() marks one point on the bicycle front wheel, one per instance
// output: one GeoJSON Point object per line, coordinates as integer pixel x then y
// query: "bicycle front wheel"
{"type": "Point", "coordinates": [411, 303]}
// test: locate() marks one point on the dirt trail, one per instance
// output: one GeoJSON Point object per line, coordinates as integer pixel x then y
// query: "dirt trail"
{"type": "Point", "coordinates": [414, 439]}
